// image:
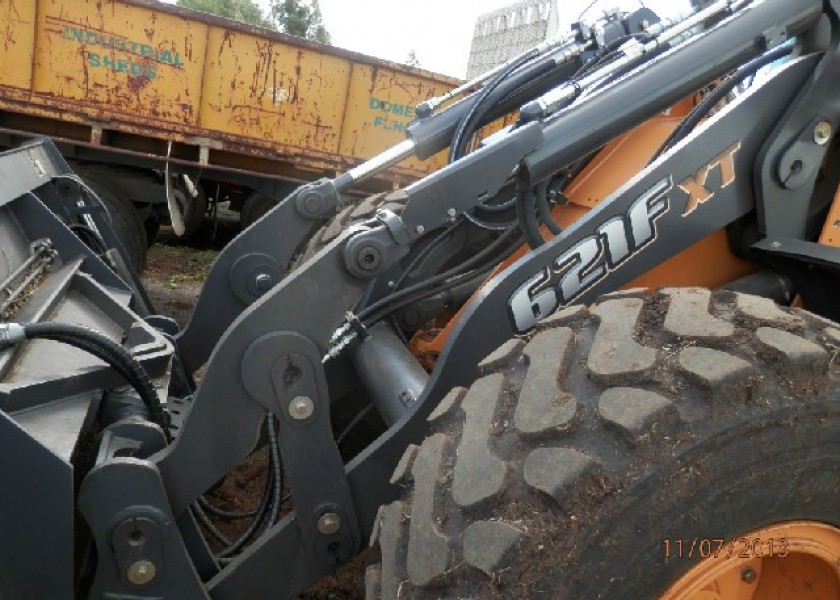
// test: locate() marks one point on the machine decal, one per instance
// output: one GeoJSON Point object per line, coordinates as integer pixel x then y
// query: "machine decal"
{"type": "Point", "coordinates": [695, 186]}
{"type": "Point", "coordinates": [590, 260]}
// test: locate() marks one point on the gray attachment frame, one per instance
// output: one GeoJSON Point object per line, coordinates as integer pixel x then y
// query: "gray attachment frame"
{"type": "Point", "coordinates": [46, 413]}
{"type": "Point", "coordinates": [125, 504]}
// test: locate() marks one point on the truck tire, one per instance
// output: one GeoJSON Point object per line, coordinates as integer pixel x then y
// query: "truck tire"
{"type": "Point", "coordinates": [352, 214]}
{"type": "Point", "coordinates": [608, 453]}
{"type": "Point", "coordinates": [254, 207]}
{"type": "Point", "coordinates": [192, 209]}
{"type": "Point", "coordinates": [127, 224]}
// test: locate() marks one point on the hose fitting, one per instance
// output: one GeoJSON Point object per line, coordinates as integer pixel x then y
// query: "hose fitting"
{"type": "Point", "coordinates": [11, 334]}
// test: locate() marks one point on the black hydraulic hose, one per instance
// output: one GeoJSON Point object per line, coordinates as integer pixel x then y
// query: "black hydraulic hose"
{"type": "Point", "coordinates": [478, 275]}
{"type": "Point", "coordinates": [78, 228]}
{"type": "Point", "coordinates": [604, 54]}
{"type": "Point", "coordinates": [497, 208]}
{"type": "Point", "coordinates": [353, 422]}
{"type": "Point", "coordinates": [277, 471]}
{"type": "Point", "coordinates": [424, 253]}
{"type": "Point", "coordinates": [228, 515]}
{"type": "Point", "coordinates": [478, 109]}
{"type": "Point", "coordinates": [208, 524]}
{"type": "Point", "coordinates": [226, 554]}
{"type": "Point", "coordinates": [544, 209]}
{"type": "Point", "coordinates": [527, 220]}
{"type": "Point", "coordinates": [272, 495]}
{"type": "Point", "coordinates": [717, 95]}
{"type": "Point", "coordinates": [112, 353]}
{"type": "Point", "coordinates": [479, 258]}
{"type": "Point", "coordinates": [435, 133]}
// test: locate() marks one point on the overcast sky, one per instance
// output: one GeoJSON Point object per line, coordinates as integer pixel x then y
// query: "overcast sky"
{"type": "Point", "coordinates": [439, 31]}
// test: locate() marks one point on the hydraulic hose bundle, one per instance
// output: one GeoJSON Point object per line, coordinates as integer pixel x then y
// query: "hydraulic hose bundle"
{"type": "Point", "coordinates": [100, 346]}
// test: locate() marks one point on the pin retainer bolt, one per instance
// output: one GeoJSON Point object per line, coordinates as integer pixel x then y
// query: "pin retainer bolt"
{"type": "Point", "coordinates": [329, 523]}
{"type": "Point", "coordinates": [141, 572]}
{"type": "Point", "coordinates": [301, 408]}
{"type": "Point", "coordinates": [823, 132]}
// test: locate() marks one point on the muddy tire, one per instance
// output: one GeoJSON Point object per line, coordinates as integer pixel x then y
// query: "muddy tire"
{"type": "Point", "coordinates": [127, 224]}
{"type": "Point", "coordinates": [352, 214]}
{"type": "Point", "coordinates": [580, 452]}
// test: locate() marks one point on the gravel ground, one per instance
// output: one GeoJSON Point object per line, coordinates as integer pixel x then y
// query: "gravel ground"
{"type": "Point", "coordinates": [173, 278]}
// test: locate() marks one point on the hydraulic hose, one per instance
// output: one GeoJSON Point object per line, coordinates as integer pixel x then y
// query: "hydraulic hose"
{"type": "Point", "coordinates": [478, 259]}
{"type": "Point", "coordinates": [102, 347]}
{"type": "Point", "coordinates": [528, 220]}
{"type": "Point", "coordinates": [480, 106]}
{"type": "Point", "coordinates": [717, 95]}
{"type": "Point", "coordinates": [544, 209]}
{"type": "Point", "coordinates": [272, 496]}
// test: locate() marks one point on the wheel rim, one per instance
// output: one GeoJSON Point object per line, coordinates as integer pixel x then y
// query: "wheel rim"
{"type": "Point", "coordinates": [789, 560]}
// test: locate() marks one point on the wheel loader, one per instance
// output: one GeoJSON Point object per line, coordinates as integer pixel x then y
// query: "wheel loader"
{"type": "Point", "coordinates": [594, 356]}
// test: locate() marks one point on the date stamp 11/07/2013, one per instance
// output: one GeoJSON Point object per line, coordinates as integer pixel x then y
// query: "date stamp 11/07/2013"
{"type": "Point", "coordinates": [725, 548]}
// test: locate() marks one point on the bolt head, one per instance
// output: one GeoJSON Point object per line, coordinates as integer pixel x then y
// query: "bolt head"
{"type": "Point", "coordinates": [329, 523]}
{"type": "Point", "coordinates": [301, 407]}
{"type": "Point", "coordinates": [141, 572]}
{"type": "Point", "coordinates": [452, 212]}
{"type": "Point", "coordinates": [420, 230]}
{"type": "Point", "coordinates": [748, 575]}
{"type": "Point", "coordinates": [369, 258]}
{"type": "Point", "coordinates": [263, 282]}
{"type": "Point", "coordinates": [312, 203]}
{"type": "Point", "coordinates": [823, 132]}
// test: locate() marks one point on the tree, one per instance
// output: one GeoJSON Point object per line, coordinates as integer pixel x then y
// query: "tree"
{"type": "Point", "coordinates": [412, 60]}
{"type": "Point", "coordinates": [301, 18]}
{"type": "Point", "coordinates": [245, 11]}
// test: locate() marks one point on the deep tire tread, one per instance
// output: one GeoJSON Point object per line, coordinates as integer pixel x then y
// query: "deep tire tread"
{"type": "Point", "coordinates": [610, 448]}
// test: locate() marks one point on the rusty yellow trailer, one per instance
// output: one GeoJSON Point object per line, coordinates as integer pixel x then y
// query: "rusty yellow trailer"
{"type": "Point", "coordinates": [126, 86]}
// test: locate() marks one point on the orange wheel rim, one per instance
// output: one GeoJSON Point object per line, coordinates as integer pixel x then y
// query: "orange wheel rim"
{"type": "Point", "coordinates": [798, 560]}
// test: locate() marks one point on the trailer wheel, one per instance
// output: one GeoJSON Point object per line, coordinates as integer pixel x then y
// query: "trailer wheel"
{"type": "Point", "coordinates": [254, 207]}
{"type": "Point", "coordinates": [127, 224]}
{"type": "Point", "coordinates": [192, 208]}
{"type": "Point", "coordinates": [681, 446]}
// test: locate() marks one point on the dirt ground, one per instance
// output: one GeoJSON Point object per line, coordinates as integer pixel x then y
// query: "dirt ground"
{"type": "Point", "coordinates": [173, 277]}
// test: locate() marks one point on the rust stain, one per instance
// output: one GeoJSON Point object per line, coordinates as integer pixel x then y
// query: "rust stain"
{"type": "Point", "coordinates": [136, 84]}
{"type": "Point", "coordinates": [269, 60]}
{"type": "Point", "coordinates": [226, 39]}
{"type": "Point", "coordinates": [316, 94]}
{"type": "Point", "coordinates": [293, 88]}
{"type": "Point", "coordinates": [374, 75]}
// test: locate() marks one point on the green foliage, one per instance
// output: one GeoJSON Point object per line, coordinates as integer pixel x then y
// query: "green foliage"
{"type": "Point", "coordinates": [245, 11]}
{"type": "Point", "coordinates": [301, 18]}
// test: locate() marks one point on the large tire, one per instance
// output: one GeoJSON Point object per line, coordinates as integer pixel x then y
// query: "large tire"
{"type": "Point", "coordinates": [563, 470]}
{"type": "Point", "coordinates": [352, 214]}
{"type": "Point", "coordinates": [127, 224]}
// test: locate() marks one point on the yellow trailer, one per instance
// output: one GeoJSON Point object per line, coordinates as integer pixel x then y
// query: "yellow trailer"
{"type": "Point", "coordinates": [127, 86]}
